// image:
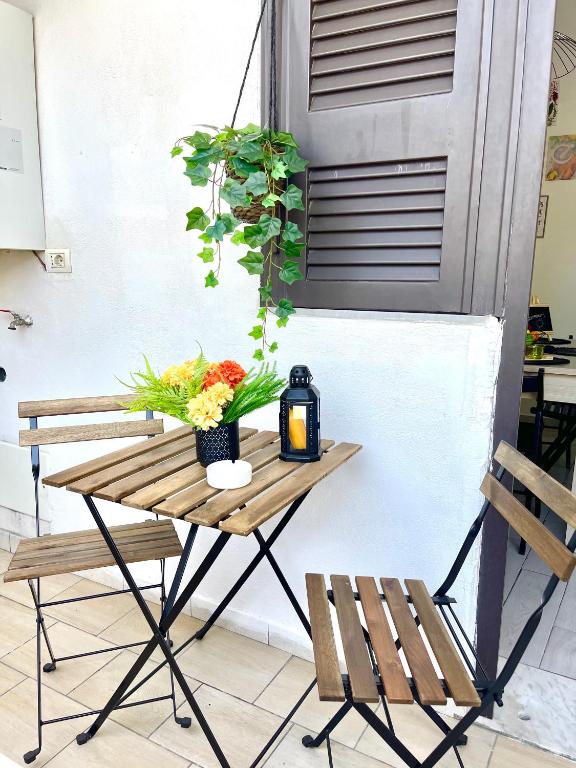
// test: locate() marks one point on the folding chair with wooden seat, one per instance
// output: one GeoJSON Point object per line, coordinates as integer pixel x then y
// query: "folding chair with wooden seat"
{"type": "Point", "coordinates": [50, 555]}
{"type": "Point", "coordinates": [394, 655]}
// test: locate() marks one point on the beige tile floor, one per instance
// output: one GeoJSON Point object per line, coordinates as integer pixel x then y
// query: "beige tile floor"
{"type": "Point", "coordinates": [244, 688]}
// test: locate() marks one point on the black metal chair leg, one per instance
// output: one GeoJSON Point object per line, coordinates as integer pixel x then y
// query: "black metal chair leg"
{"type": "Point", "coordinates": [30, 756]}
{"type": "Point", "coordinates": [311, 741]}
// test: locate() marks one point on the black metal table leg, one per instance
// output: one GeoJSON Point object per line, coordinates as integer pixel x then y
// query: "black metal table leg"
{"type": "Point", "coordinates": [255, 562]}
{"type": "Point", "coordinates": [157, 640]}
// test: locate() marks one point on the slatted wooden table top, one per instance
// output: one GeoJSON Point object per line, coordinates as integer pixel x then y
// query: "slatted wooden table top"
{"type": "Point", "coordinates": [163, 475]}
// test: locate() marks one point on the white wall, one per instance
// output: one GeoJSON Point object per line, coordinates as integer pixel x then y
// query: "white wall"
{"type": "Point", "coordinates": [118, 82]}
{"type": "Point", "coordinates": [554, 277]}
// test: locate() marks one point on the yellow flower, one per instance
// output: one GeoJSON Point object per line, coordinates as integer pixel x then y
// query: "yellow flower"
{"type": "Point", "coordinates": [220, 393]}
{"type": "Point", "coordinates": [204, 412]}
{"type": "Point", "coordinates": [171, 376]}
{"type": "Point", "coordinates": [175, 375]}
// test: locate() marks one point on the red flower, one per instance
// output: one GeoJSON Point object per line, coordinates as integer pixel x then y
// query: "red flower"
{"type": "Point", "coordinates": [227, 371]}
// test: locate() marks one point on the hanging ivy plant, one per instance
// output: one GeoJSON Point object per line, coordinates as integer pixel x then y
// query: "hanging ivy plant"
{"type": "Point", "coordinates": [249, 169]}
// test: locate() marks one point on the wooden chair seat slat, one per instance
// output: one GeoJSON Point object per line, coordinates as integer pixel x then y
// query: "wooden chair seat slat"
{"type": "Point", "coordinates": [360, 670]}
{"type": "Point", "coordinates": [390, 666]}
{"type": "Point", "coordinates": [268, 469]}
{"type": "Point", "coordinates": [104, 477]}
{"type": "Point", "coordinates": [555, 495]}
{"type": "Point", "coordinates": [425, 678]}
{"type": "Point", "coordinates": [56, 554]}
{"type": "Point", "coordinates": [330, 686]}
{"type": "Point", "coordinates": [68, 476]}
{"type": "Point", "coordinates": [186, 500]}
{"type": "Point", "coordinates": [73, 405]}
{"type": "Point", "coordinates": [104, 431]}
{"type": "Point", "coordinates": [288, 490]}
{"type": "Point", "coordinates": [457, 678]}
{"type": "Point", "coordinates": [550, 549]}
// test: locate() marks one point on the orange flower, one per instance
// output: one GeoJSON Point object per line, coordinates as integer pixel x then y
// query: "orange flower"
{"type": "Point", "coordinates": [228, 371]}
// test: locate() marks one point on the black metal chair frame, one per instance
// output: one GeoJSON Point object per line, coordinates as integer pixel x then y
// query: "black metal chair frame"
{"type": "Point", "coordinates": [490, 691]}
{"type": "Point", "coordinates": [42, 631]}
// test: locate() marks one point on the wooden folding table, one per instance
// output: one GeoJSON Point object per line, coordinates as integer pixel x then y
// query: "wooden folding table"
{"type": "Point", "coordinates": [162, 475]}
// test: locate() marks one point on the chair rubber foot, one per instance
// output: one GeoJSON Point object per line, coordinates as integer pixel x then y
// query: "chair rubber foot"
{"type": "Point", "coordinates": [82, 738]}
{"type": "Point", "coordinates": [29, 757]}
{"type": "Point", "coordinates": [308, 741]}
{"type": "Point", "coordinates": [171, 643]}
{"type": "Point", "coordinates": [50, 666]}
{"type": "Point", "coordinates": [200, 634]}
{"type": "Point", "coordinates": [462, 741]}
{"type": "Point", "coordinates": [184, 722]}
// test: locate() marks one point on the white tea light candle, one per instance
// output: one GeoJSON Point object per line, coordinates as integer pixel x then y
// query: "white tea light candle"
{"type": "Point", "coordinates": [228, 474]}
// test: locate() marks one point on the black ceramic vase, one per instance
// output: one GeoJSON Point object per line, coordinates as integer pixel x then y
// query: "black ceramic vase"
{"type": "Point", "coordinates": [218, 444]}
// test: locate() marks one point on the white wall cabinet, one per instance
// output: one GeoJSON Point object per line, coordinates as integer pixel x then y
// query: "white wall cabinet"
{"type": "Point", "coordinates": [21, 208]}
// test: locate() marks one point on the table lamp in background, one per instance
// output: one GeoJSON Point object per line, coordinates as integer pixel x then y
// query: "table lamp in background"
{"type": "Point", "coordinates": [300, 418]}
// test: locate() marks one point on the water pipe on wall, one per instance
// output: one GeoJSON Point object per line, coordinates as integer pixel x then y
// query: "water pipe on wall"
{"type": "Point", "coordinates": [18, 320]}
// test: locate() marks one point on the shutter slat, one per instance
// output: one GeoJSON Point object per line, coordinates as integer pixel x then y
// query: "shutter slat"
{"type": "Point", "coordinates": [381, 51]}
{"type": "Point", "coordinates": [348, 241]}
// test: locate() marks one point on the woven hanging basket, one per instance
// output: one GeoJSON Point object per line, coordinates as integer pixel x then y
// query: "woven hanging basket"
{"type": "Point", "coordinates": [250, 214]}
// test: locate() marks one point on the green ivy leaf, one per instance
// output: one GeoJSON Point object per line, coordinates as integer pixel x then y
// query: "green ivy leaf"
{"type": "Point", "coordinates": [253, 236]}
{"type": "Point", "coordinates": [273, 347]}
{"type": "Point", "coordinates": [291, 232]}
{"type": "Point", "coordinates": [290, 272]}
{"type": "Point", "coordinates": [261, 314]}
{"type": "Point", "coordinates": [234, 193]}
{"type": "Point", "coordinates": [206, 254]}
{"type": "Point", "coordinates": [294, 162]}
{"type": "Point", "coordinates": [279, 169]}
{"type": "Point", "coordinates": [217, 230]}
{"type": "Point", "coordinates": [292, 198]}
{"type": "Point", "coordinates": [205, 238]}
{"type": "Point", "coordinates": [270, 226]}
{"type": "Point", "coordinates": [198, 174]}
{"type": "Point", "coordinates": [253, 262]}
{"type": "Point", "coordinates": [257, 183]}
{"type": "Point", "coordinates": [251, 151]}
{"type": "Point", "coordinates": [238, 238]}
{"type": "Point", "coordinates": [292, 250]}
{"type": "Point", "coordinates": [197, 219]}
{"type": "Point", "coordinates": [270, 200]}
{"type": "Point", "coordinates": [256, 332]}
{"type": "Point", "coordinates": [176, 151]}
{"type": "Point", "coordinates": [230, 222]}
{"type": "Point", "coordinates": [283, 137]}
{"type": "Point", "coordinates": [212, 155]}
{"type": "Point", "coordinates": [242, 167]}
{"type": "Point", "coordinates": [251, 128]}
{"type": "Point", "coordinates": [258, 355]}
{"type": "Point", "coordinates": [211, 280]}
{"type": "Point", "coordinates": [284, 309]}
{"type": "Point", "coordinates": [199, 139]}
{"type": "Point", "coordinates": [265, 292]}
{"type": "Point", "coordinates": [282, 322]}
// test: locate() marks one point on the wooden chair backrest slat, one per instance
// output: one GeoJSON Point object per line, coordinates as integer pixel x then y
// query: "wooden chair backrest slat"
{"type": "Point", "coordinates": [550, 549]}
{"type": "Point", "coordinates": [104, 431]}
{"type": "Point", "coordinates": [556, 496]}
{"type": "Point", "coordinates": [73, 405]}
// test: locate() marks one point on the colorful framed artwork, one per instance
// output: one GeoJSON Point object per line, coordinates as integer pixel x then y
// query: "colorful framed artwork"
{"type": "Point", "coordinates": [561, 162]}
{"type": "Point", "coordinates": [542, 212]}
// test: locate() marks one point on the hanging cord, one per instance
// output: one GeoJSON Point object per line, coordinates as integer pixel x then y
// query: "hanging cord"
{"type": "Point", "coordinates": [272, 101]}
{"type": "Point", "coordinates": [258, 25]}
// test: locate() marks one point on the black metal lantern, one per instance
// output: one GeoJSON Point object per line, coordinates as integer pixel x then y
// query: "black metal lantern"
{"type": "Point", "coordinates": [300, 418]}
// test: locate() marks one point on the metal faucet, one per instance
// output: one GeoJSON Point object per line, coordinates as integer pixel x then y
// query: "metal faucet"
{"type": "Point", "coordinates": [18, 320]}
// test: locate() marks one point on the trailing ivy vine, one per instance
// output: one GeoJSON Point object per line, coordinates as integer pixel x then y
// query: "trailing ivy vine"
{"type": "Point", "coordinates": [249, 169]}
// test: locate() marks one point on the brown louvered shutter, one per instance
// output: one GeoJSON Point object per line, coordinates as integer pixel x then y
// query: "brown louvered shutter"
{"type": "Point", "coordinates": [382, 95]}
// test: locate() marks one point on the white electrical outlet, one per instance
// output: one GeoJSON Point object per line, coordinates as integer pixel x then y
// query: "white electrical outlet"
{"type": "Point", "coordinates": [58, 260]}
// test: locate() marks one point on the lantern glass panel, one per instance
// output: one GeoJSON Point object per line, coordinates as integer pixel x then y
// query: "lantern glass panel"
{"type": "Point", "coordinates": [297, 427]}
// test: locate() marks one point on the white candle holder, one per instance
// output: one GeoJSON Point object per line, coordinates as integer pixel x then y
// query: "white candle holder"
{"type": "Point", "coordinates": [226, 475]}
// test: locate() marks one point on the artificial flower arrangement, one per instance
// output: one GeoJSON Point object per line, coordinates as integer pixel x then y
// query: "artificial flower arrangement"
{"type": "Point", "coordinates": [210, 396]}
